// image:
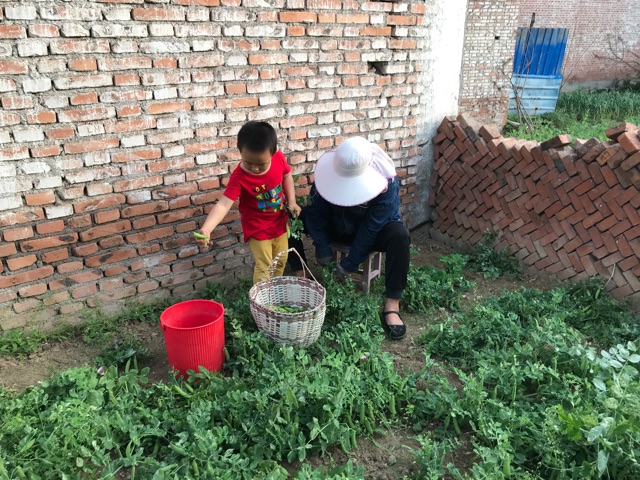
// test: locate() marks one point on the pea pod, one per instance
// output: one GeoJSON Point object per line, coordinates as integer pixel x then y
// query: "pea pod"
{"type": "Point", "coordinates": [200, 236]}
{"type": "Point", "coordinates": [181, 392]}
{"type": "Point", "coordinates": [344, 446]}
{"type": "Point", "coordinates": [178, 449]}
{"type": "Point", "coordinates": [392, 404]}
{"type": "Point", "coordinates": [368, 426]}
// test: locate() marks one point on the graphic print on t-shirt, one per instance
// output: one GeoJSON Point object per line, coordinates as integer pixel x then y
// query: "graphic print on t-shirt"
{"type": "Point", "coordinates": [270, 200]}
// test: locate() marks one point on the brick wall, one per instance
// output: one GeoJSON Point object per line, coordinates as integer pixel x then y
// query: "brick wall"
{"type": "Point", "coordinates": [487, 59]}
{"type": "Point", "coordinates": [570, 212]}
{"type": "Point", "coordinates": [591, 24]}
{"type": "Point", "coordinates": [118, 121]}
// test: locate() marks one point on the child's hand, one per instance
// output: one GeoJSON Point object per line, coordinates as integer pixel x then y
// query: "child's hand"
{"type": "Point", "coordinates": [202, 238]}
{"type": "Point", "coordinates": [294, 209]}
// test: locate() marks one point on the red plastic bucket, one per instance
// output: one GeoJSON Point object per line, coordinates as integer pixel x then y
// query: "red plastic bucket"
{"type": "Point", "coordinates": [194, 335]}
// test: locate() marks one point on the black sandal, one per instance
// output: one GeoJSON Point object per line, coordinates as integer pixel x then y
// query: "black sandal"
{"type": "Point", "coordinates": [394, 332]}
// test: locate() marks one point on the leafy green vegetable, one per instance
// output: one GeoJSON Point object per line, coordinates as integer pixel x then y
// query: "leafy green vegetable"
{"type": "Point", "coordinates": [287, 308]}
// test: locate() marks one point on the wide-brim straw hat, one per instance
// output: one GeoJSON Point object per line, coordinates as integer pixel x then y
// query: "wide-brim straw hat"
{"type": "Point", "coordinates": [346, 176]}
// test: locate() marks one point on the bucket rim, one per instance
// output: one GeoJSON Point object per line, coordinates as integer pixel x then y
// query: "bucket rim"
{"type": "Point", "coordinates": [164, 325]}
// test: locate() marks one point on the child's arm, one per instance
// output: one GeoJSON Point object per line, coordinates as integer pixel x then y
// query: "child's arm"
{"type": "Point", "coordinates": [216, 214]}
{"type": "Point", "coordinates": [290, 192]}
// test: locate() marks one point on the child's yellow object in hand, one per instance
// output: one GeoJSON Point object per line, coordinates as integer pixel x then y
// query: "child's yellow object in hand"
{"type": "Point", "coordinates": [200, 236]}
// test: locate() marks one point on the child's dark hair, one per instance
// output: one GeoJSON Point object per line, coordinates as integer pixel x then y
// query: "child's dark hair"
{"type": "Point", "coordinates": [258, 137]}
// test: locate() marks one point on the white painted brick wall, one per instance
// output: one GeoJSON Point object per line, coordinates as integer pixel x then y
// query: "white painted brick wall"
{"type": "Point", "coordinates": [20, 12]}
{"type": "Point", "coordinates": [36, 85]}
{"type": "Point", "coordinates": [10, 202]}
{"type": "Point", "coordinates": [58, 211]}
{"type": "Point", "coordinates": [31, 168]}
{"type": "Point", "coordinates": [32, 134]}
{"type": "Point", "coordinates": [32, 48]}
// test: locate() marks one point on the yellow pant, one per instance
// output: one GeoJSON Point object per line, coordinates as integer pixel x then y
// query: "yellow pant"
{"type": "Point", "coordinates": [264, 251]}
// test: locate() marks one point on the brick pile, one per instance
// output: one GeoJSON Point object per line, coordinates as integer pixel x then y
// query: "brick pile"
{"type": "Point", "coordinates": [568, 211]}
{"type": "Point", "coordinates": [118, 121]}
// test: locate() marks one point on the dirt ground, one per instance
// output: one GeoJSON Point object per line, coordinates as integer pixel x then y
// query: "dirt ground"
{"type": "Point", "coordinates": [385, 457]}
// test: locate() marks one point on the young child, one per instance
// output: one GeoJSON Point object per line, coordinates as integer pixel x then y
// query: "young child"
{"type": "Point", "coordinates": [264, 184]}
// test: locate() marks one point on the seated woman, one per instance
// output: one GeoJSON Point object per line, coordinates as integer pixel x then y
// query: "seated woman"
{"type": "Point", "coordinates": [355, 200]}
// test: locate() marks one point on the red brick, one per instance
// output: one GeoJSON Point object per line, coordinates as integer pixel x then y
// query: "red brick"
{"type": "Point", "coordinates": [55, 255]}
{"type": "Point", "coordinates": [129, 111]}
{"type": "Point", "coordinates": [158, 14]}
{"type": "Point", "coordinates": [12, 31]}
{"type": "Point", "coordinates": [84, 291]}
{"type": "Point", "coordinates": [43, 30]}
{"type": "Point", "coordinates": [620, 227]}
{"type": "Point", "coordinates": [105, 230]}
{"type": "Point", "coordinates": [107, 201]}
{"type": "Point", "coordinates": [91, 145]}
{"type": "Point", "coordinates": [596, 151]}
{"type": "Point", "coordinates": [150, 235]}
{"type": "Point", "coordinates": [614, 132]}
{"type": "Point", "coordinates": [126, 79]}
{"type": "Point", "coordinates": [60, 133]}
{"type": "Point", "coordinates": [168, 107]}
{"type": "Point", "coordinates": [137, 125]}
{"type": "Point", "coordinates": [83, 64]}
{"type": "Point", "coordinates": [632, 214]}
{"type": "Point", "coordinates": [48, 242]}
{"type": "Point", "coordinates": [7, 249]}
{"type": "Point", "coordinates": [135, 155]}
{"type": "Point", "coordinates": [41, 118]}
{"type": "Point", "coordinates": [558, 141]}
{"type": "Point", "coordinates": [50, 227]}
{"type": "Point", "coordinates": [21, 262]}
{"type": "Point", "coordinates": [17, 234]}
{"type": "Point", "coordinates": [46, 151]}
{"type": "Point", "coordinates": [32, 290]}
{"type": "Point", "coordinates": [631, 162]}
{"type": "Point", "coordinates": [14, 68]}
{"type": "Point", "coordinates": [14, 153]}
{"type": "Point", "coordinates": [107, 216]}
{"type": "Point", "coordinates": [630, 142]}
{"type": "Point", "coordinates": [306, 17]}
{"type": "Point", "coordinates": [8, 281]}
{"type": "Point", "coordinates": [489, 132]}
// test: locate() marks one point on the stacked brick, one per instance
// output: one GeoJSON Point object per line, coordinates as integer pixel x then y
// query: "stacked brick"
{"type": "Point", "coordinates": [567, 211]}
{"type": "Point", "coordinates": [118, 121]}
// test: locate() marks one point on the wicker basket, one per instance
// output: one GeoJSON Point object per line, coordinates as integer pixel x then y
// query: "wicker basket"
{"type": "Point", "coordinates": [300, 329]}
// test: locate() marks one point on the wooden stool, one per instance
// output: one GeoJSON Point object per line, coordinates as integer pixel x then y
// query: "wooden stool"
{"type": "Point", "coordinates": [370, 268]}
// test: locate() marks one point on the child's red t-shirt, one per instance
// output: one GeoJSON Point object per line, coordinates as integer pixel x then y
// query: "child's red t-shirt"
{"type": "Point", "coordinates": [262, 200]}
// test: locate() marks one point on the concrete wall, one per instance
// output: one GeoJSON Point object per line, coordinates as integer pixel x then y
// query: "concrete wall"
{"type": "Point", "coordinates": [593, 26]}
{"type": "Point", "coordinates": [444, 38]}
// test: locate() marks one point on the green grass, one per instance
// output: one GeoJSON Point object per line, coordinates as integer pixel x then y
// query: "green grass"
{"type": "Point", "coordinates": [582, 114]}
{"type": "Point", "coordinates": [96, 329]}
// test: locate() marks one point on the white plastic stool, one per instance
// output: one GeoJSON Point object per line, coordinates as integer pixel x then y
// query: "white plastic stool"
{"type": "Point", "coordinates": [368, 270]}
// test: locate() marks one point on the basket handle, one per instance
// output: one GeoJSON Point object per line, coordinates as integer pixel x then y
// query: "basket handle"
{"type": "Point", "coordinates": [274, 263]}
